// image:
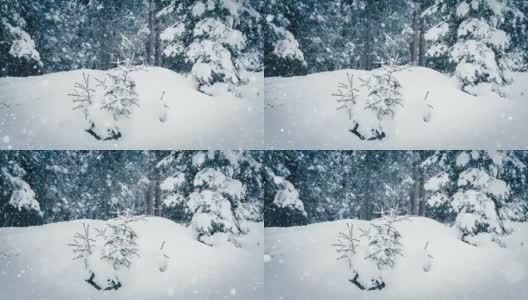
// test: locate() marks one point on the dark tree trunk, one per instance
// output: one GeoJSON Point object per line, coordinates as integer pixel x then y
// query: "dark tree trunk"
{"type": "Point", "coordinates": [421, 203]}
{"type": "Point", "coordinates": [415, 38]}
{"type": "Point", "coordinates": [149, 44]}
{"type": "Point", "coordinates": [417, 193]}
{"type": "Point", "coordinates": [150, 199]}
{"type": "Point", "coordinates": [412, 201]}
{"type": "Point", "coordinates": [157, 197]}
{"type": "Point", "coordinates": [157, 40]}
{"type": "Point", "coordinates": [422, 46]}
{"type": "Point", "coordinates": [366, 58]}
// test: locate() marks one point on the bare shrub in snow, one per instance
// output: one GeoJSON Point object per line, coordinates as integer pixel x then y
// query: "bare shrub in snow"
{"type": "Point", "coordinates": [346, 95]}
{"type": "Point", "coordinates": [83, 95]}
{"type": "Point", "coordinates": [347, 245]}
{"type": "Point", "coordinates": [83, 244]}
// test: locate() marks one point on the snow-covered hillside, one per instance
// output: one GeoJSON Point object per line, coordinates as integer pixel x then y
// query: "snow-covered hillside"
{"type": "Point", "coordinates": [36, 263]}
{"type": "Point", "coordinates": [36, 113]}
{"type": "Point", "coordinates": [300, 263]}
{"type": "Point", "coordinates": [301, 113]}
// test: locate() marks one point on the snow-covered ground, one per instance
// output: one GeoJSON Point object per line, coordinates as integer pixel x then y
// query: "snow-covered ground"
{"type": "Point", "coordinates": [300, 113]}
{"type": "Point", "coordinates": [36, 263]}
{"type": "Point", "coordinates": [36, 113]}
{"type": "Point", "coordinates": [301, 264]}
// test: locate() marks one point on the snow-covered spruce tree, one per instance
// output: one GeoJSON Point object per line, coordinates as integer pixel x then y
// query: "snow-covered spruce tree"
{"type": "Point", "coordinates": [18, 52]}
{"type": "Point", "coordinates": [206, 39]}
{"type": "Point", "coordinates": [210, 203]}
{"type": "Point", "coordinates": [470, 40]}
{"type": "Point", "coordinates": [471, 190]}
{"type": "Point", "coordinates": [283, 54]}
{"type": "Point", "coordinates": [287, 196]}
{"type": "Point", "coordinates": [282, 200]}
{"type": "Point", "coordinates": [18, 203]}
{"type": "Point", "coordinates": [438, 202]}
{"type": "Point", "coordinates": [215, 191]}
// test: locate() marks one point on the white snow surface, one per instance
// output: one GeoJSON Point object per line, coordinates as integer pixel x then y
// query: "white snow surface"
{"type": "Point", "coordinates": [36, 113]}
{"type": "Point", "coordinates": [300, 113]}
{"type": "Point", "coordinates": [36, 263]}
{"type": "Point", "coordinates": [300, 263]}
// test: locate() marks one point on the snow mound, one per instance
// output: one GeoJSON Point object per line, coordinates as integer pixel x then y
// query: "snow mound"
{"type": "Point", "coordinates": [36, 113]}
{"type": "Point", "coordinates": [36, 263]}
{"type": "Point", "coordinates": [301, 114]}
{"type": "Point", "coordinates": [301, 264]}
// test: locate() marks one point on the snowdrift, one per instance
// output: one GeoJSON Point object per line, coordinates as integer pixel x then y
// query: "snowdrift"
{"type": "Point", "coordinates": [36, 113]}
{"type": "Point", "coordinates": [301, 264]}
{"type": "Point", "coordinates": [301, 114]}
{"type": "Point", "coordinates": [36, 263]}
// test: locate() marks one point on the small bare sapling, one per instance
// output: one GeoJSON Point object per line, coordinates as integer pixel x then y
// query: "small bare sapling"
{"type": "Point", "coordinates": [428, 259]}
{"type": "Point", "coordinates": [164, 108]}
{"type": "Point", "coordinates": [428, 109]}
{"type": "Point", "coordinates": [82, 95]}
{"type": "Point", "coordinates": [163, 259]}
{"type": "Point", "coordinates": [346, 95]}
